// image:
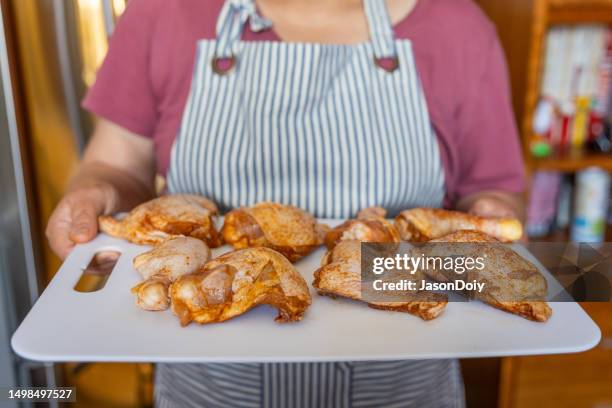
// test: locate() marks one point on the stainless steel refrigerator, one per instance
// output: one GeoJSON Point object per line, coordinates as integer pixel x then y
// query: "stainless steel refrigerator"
{"type": "Point", "coordinates": [49, 53]}
{"type": "Point", "coordinates": [19, 276]}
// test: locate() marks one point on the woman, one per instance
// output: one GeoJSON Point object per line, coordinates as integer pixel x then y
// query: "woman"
{"type": "Point", "coordinates": [331, 105]}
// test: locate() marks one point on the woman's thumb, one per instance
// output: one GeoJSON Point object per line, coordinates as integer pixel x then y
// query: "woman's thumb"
{"type": "Point", "coordinates": [84, 223]}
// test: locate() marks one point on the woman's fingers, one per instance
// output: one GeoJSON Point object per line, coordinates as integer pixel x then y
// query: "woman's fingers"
{"type": "Point", "coordinates": [492, 207]}
{"type": "Point", "coordinates": [58, 230]}
{"type": "Point", "coordinates": [84, 221]}
{"type": "Point", "coordinates": [75, 220]}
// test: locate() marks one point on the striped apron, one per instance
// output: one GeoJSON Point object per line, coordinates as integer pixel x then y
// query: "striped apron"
{"type": "Point", "coordinates": [329, 128]}
{"type": "Point", "coordinates": [322, 127]}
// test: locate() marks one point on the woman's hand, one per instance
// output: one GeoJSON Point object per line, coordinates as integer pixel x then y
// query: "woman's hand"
{"type": "Point", "coordinates": [494, 204]}
{"type": "Point", "coordinates": [75, 219]}
{"type": "Point", "coordinates": [117, 173]}
{"type": "Point", "coordinates": [492, 207]}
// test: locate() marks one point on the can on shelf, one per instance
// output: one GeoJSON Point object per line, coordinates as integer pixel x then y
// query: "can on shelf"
{"type": "Point", "coordinates": [591, 205]}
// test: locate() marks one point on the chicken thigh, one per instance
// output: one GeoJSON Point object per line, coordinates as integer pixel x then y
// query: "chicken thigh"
{"type": "Point", "coordinates": [424, 224]}
{"type": "Point", "coordinates": [370, 226]}
{"type": "Point", "coordinates": [512, 283]}
{"type": "Point", "coordinates": [236, 282]}
{"type": "Point", "coordinates": [286, 229]}
{"type": "Point", "coordinates": [164, 217]}
{"type": "Point", "coordinates": [340, 275]}
{"type": "Point", "coordinates": [163, 265]}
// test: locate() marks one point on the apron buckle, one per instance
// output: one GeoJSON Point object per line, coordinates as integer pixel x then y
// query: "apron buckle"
{"type": "Point", "coordinates": [388, 64]}
{"type": "Point", "coordinates": [223, 65]}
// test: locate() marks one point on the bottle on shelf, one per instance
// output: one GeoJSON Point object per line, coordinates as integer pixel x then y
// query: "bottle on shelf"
{"type": "Point", "coordinates": [591, 205]}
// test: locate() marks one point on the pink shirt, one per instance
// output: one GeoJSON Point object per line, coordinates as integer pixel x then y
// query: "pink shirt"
{"type": "Point", "coordinates": [144, 83]}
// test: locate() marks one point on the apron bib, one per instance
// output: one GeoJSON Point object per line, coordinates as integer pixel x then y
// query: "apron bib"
{"type": "Point", "coordinates": [331, 129]}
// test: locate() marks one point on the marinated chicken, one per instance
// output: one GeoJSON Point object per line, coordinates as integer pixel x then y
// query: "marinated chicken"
{"type": "Point", "coordinates": [512, 283]}
{"type": "Point", "coordinates": [370, 226]}
{"type": "Point", "coordinates": [168, 216]}
{"type": "Point", "coordinates": [425, 224]}
{"type": "Point", "coordinates": [286, 229]}
{"type": "Point", "coordinates": [163, 265]}
{"type": "Point", "coordinates": [340, 276]}
{"type": "Point", "coordinates": [236, 282]}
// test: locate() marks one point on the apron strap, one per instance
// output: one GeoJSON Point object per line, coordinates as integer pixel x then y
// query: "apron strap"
{"type": "Point", "coordinates": [381, 29]}
{"type": "Point", "coordinates": [230, 25]}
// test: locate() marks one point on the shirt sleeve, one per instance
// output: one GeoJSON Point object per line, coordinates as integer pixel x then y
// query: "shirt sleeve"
{"type": "Point", "coordinates": [490, 156]}
{"type": "Point", "coordinates": [123, 92]}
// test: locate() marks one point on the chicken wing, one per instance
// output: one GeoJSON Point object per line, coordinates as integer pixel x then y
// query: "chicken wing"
{"type": "Point", "coordinates": [236, 282]}
{"type": "Point", "coordinates": [424, 224]}
{"type": "Point", "coordinates": [370, 226]}
{"type": "Point", "coordinates": [340, 275]}
{"type": "Point", "coordinates": [286, 229]}
{"type": "Point", "coordinates": [164, 217]}
{"type": "Point", "coordinates": [512, 283]}
{"type": "Point", "coordinates": [163, 265]}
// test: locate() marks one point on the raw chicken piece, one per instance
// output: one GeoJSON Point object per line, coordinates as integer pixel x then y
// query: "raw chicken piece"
{"type": "Point", "coordinates": [286, 229]}
{"type": "Point", "coordinates": [234, 283]}
{"type": "Point", "coordinates": [424, 224]}
{"type": "Point", "coordinates": [340, 275]}
{"type": "Point", "coordinates": [164, 217]}
{"type": "Point", "coordinates": [370, 226]}
{"type": "Point", "coordinates": [163, 265]}
{"type": "Point", "coordinates": [513, 284]}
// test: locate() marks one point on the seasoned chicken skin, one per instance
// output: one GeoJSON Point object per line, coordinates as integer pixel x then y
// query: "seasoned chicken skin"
{"type": "Point", "coordinates": [340, 275]}
{"type": "Point", "coordinates": [286, 229]}
{"type": "Point", "coordinates": [163, 265]}
{"type": "Point", "coordinates": [424, 224]}
{"type": "Point", "coordinates": [164, 217]}
{"type": "Point", "coordinates": [370, 226]}
{"type": "Point", "coordinates": [234, 283]}
{"type": "Point", "coordinates": [513, 284]}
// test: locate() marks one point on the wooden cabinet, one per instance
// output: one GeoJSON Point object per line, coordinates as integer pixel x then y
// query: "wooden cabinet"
{"type": "Point", "coordinates": [572, 381]}
{"type": "Point", "coordinates": [577, 380]}
{"type": "Point", "coordinates": [522, 26]}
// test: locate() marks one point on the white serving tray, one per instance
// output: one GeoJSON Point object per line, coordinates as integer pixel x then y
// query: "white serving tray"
{"type": "Point", "coordinates": [66, 325]}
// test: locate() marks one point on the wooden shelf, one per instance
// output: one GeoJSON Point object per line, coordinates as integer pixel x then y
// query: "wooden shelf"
{"type": "Point", "coordinates": [546, 13]}
{"type": "Point", "coordinates": [580, 3]}
{"type": "Point", "coordinates": [580, 15]}
{"type": "Point", "coordinates": [579, 11]}
{"type": "Point", "coordinates": [572, 161]}
{"type": "Point", "coordinates": [563, 235]}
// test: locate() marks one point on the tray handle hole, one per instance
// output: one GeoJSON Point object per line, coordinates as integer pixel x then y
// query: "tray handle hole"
{"type": "Point", "coordinates": [94, 276]}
